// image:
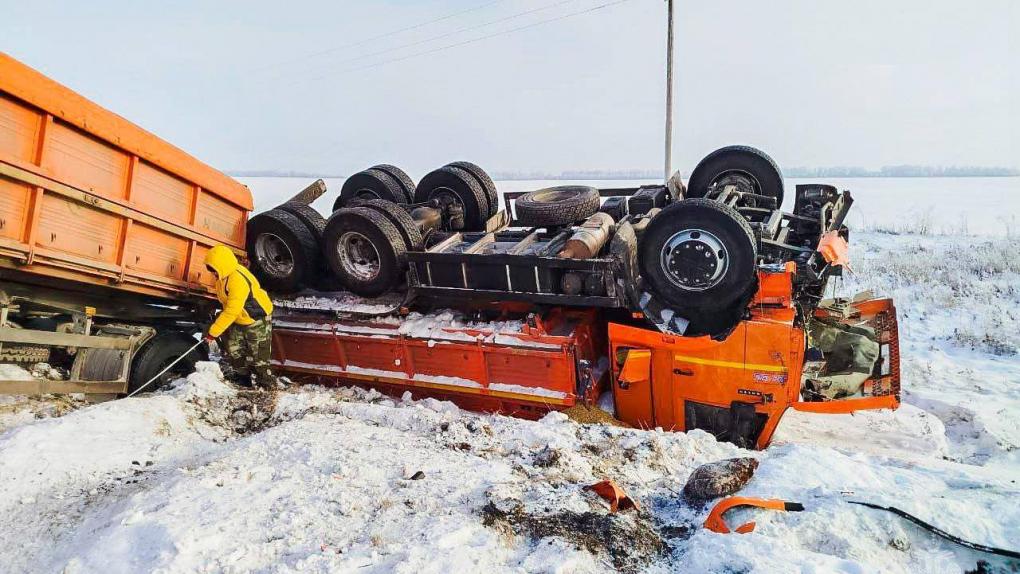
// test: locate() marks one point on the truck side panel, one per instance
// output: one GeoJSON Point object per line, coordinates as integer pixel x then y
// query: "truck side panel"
{"type": "Point", "coordinates": [88, 196]}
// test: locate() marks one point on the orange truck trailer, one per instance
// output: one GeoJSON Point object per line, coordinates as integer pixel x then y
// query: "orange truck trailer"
{"type": "Point", "coordinates": [103, 230]}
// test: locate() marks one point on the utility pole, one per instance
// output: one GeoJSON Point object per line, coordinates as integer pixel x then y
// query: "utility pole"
{"type": "Point", "coordinates": [669, 90]}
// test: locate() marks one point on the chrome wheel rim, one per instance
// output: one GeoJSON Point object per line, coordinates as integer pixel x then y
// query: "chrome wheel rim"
{"type": "Point", "coordinates": [273, 255]}
{"type": "Point", "coordinates": [694, 260]}
{"type": "Point", "coordinates": [358, 256]}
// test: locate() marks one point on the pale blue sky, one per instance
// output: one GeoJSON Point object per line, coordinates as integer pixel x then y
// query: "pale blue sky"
{"type": "Point", "coordinates": [812, 82]}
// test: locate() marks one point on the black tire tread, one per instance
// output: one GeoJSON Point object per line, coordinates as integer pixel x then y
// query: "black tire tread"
{"type": "Point", "coordinates": [384, 185]}
{"type": "Point", "coordinates": [405, 181]}
{"type": "Point", "coordinates": [704, 307]}
{"type": "Point", "coordinates": [308, 215]}
{"type": "Point", "coordinates": [475, 215]}
{"type": "Point", "coordinates": [336, 225]}
{"type": "Point", "coordinates": [397, 215]}
{"type": "Point", "coordinates": [697, 188]}
{"type": "Point", "coordinates": [164, 345]}
{"type": "Point", "coordinates": [303, 242]}
{"type": "Point", "coordinates": [488, 186]}
{"type": "Point", "coordinates": [541, 214]}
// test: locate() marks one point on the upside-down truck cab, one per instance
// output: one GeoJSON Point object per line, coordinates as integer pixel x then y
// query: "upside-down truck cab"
{"type": "Point", "coordinates": [103, 230]}
{"type": "Point", "coordinates": [738, 388]}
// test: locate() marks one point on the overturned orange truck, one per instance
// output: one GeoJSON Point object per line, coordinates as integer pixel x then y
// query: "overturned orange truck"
{"type": "Point", "coordinates": [695, 307]}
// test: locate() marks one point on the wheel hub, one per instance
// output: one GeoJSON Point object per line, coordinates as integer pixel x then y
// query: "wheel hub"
{"type": "Point", "coordinates": [358, 256]}
{"type": "Point", "coordinates": [273, 255]}
{"type": "Point", "coordinates": [694, 260]}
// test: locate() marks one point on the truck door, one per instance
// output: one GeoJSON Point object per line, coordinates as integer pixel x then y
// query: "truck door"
{"type": "Point", "coordinates": [632, 385]}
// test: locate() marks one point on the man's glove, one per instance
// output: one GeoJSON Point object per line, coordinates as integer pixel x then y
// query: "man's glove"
{"type": "Point", "coordinates": [207, 337]}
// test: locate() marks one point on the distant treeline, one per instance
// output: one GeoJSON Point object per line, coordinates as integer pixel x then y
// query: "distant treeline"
{"type": "Point", "coordinates": [902, 171]}
{"type": "Point", "coordinates": [834, 171]}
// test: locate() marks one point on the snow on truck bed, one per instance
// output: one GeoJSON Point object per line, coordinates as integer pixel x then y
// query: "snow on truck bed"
{"type": "Point", "coordinates": [206, 478]}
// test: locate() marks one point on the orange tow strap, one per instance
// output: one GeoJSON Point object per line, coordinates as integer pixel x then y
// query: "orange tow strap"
{"type": "Point", "coordinates": [715, 521]}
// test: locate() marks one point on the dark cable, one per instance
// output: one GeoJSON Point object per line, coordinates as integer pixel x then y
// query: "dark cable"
{"type": "Point", "coordinates": [939, 532]}
{"type": "Point", "coordinates": [380, 36]}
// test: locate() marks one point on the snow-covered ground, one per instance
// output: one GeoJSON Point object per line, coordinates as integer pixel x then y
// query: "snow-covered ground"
{"type": "Point", "coordinates": [205, 478]}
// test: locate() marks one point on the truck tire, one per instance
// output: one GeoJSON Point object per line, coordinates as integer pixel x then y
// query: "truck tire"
{"type": "Point", "coordinates": [450, 184]}
{"type": "Point", "coordinates": [283, 253]}
{"type": "Point", "coordinates": [370, 184]}
{"type": "Point", "coordinates": [483, 179]}
{"type": "Point", "coordinates": [764, 174]}
{"type": "Point", "coordinates": [160, 351]}
{"type": "Point", "coordinates": [554, 206]}
{"type": "Point", "coordinates": [699, 256]}
{"type": "Point", "coordinates": [308, 215]}
{"type": "Point", "coordinates": [365, 251]}
{"type": "Point", "coordinates": [399, 217]}
{"type": "Point", "coordinates": [405, 181]}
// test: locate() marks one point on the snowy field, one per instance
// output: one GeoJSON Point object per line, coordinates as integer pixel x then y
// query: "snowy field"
{"type": "Point", "coordinates": [203, 478]}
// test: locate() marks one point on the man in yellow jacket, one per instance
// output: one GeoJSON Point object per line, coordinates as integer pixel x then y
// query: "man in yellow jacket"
{"type": "Point", "coordinates": [246, 318]}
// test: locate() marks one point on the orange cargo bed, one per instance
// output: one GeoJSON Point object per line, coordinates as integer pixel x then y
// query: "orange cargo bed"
{"type": "Point", "coordinates": [88, 196]}
{"type": "Point", "coordinates": [550, 365]}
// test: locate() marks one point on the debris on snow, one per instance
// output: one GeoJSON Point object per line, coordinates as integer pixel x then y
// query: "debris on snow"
{"type": "Point", "coordinates": [721, 478]}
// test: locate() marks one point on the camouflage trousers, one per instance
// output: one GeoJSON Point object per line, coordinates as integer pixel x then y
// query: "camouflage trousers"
{"type": "Point", "coordinates": [247, 350]}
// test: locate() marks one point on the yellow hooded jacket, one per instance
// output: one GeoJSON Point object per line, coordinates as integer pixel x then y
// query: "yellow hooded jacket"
{"type": "Point", "coordinates": [234, 284]}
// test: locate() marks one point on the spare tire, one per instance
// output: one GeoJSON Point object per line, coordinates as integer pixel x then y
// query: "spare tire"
{"type": "Point", "coordinates": [364, 251]}
{"type": "Point", "coordinates": [160, 351]}
{"type": "Point", "coordinates": [553, 206]}
{"type": "Point", "coordinates": [745, 164]}
{"type": "Point", "coordinates": [370, 184]}
{"type": "Point", "coordinates": [282, 251]}
{"type": "Point", "coordinates": [483, 179]}
{"type": "Point", "coordinates": [450, 184]}
{"type": "Point", "coordinates": [699, 256]}
{"type": "Point", "coordinates": [405, 181]}
{"type": "Point", "coordinates": [399, 217]}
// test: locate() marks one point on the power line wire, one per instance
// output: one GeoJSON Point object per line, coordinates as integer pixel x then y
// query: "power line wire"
{"type": "Point", "coordinates": [379, 37]}
{"type": "Point", "coordinates": [454, 32]}
{"type": "Point", "coordinates": [480, 38]}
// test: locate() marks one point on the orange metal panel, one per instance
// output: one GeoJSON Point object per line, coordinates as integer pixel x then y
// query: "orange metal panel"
{"type": "Point", "coordinates": [161, 194]}
{"type": "Point", "coordinates": [30, 86]}
{"type": "Point", "coordinates": [14, 202]}
{"type": "Point", "coordinates": [85, 162]}
{"type": "Point", "coordinates": [554, 371]}
{"type": "Point", "coordinates": [78, 229]}
{"type": "Point", "coordinates": [19, 129]}
{"type": "Point", "coordinates": [436, 360]}
{"type": "Point", "coordinates": [197, 273]}
{"type": "Point", "coordinates": [219, 219]}
{"type": "Point", "coordinates": [154, 251]}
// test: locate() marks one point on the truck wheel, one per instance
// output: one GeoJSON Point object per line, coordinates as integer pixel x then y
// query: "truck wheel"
{"type": "Point", "coordinates": [308, 215]}
{"type": "Point", "coordinates": [364, 251]}
{"type": "Point", "coordinates": [405, 181]}
{"type": "Point", "coordinates": [746, 166]}
{"type": "Point", "coordinates": [370, 184]}
{"type": "Point", "coordinates": [449, 185]}
{"type": "Point", "coordinates": [160, 351]}
{"type": "Point", "coordinates": [561, 205]}
{"type": "Point", "coordinates": [283, 252]}
{"type": "Point", "coordinates": [699, 256]}
{"type": "Point", "coordinates": [399, 217]}
{"type": "Point", "coordinates": [483, 179]}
